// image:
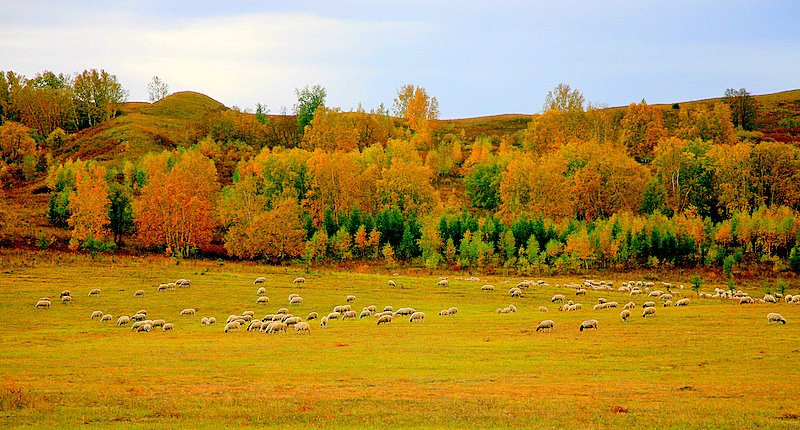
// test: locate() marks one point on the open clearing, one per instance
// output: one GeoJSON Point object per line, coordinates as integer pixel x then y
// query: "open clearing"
{"type": "Point", "coordinates": [713, 364]}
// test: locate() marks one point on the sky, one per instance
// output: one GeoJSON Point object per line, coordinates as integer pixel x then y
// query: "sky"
{"type": "Point", "coordinates": [476, 57]}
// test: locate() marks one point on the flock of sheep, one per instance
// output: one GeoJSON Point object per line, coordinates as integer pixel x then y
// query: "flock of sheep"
{"type": "Point", "coordinates": [283, 319]}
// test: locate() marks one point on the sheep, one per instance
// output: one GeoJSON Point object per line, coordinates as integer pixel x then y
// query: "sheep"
{"type": "Point", "coordinates": [612, 305]}
{"type": "Point", "coordinates": [775, 317]}
{"type": "Point", "coordinates": [284, 317]}
{"type": "Point", "coordinates": [291, 321]}
{"type": "Point", "coordinates": [372, 308]}
{"type": "Point", "coordinates": [442, 283]}
{"type": "Point", "coordinates": [350, 299]}
{"type": "Point", "coordinates": [341, 308]}
{"type": "Point", "coordinates": [138, 293]}
{"type": "Point", "coordinates": [648, 311]}
{"type": "Point", "coordinates": [788, 298]}
{"type": "Point", "coordinates": [625, 314]}
{"type": "Point", "coordinates": [142, 311]}
{"type": "Point", "coordinates": [384, 319]}
{"type": "Point", "coordinates": [43, 304]}
{"type": "Point", "coordinates": [558, 298]}
{"type": "Point", "coordinates": [204, 321]}
{"type": "Point", "coordinates": [145, 328]}
{"type": "Point", "coordinates": [668, 303]}
{"type": "Point", "coordinates": [388, 308]}
{"type": "Point", "coordinates": [261, 291]}
{"type": "Point", "coordinates": [123, 319]}
{"type": "Point", "coordinates": [504, 311]}
{"type": "Point", "coordinates": [580, 292]}
{"type": "Point", "coordinates": [158, 323]}
{"type": "Point", "coordinates": [391, 283]}
{"type": "Point", "coordinates": [94, 292]}
{"type": "Point", "coordinates": [417, 317]}
{"type": "Point", "coordinates": [349, 315]}
{"type": "Point", "coordinates": [138, 316]}
{"type": "Point", "coordinates": [254, 325]}
{"type": "Point", "coordinates": [188, 311]}
{"type": "Point", "coordinates": [588, 324]}
{"type": "Point", "coordinates": [334, 316]}
{"type": "Point", "coordinates": [629, 305]}
{"type": "Point", "coordinates": [601, 301]}
{"type": "Point", "coordinates": [276, 327]}
{"type": "Point", "coordinates": [302, 327]}
{"type": "Point", "coordinates": [545, 326]}
{"type": "Point", "coordinates": [649, 304]}
{"type": "Point", "coordinates": [135, 326]}
{"type": "Point", "coordinates": [96, 314]}
{"type": "Point", "coordinates": [542, 309]}
{"type": "Point", "coordinates": [161, 288]}
{"type": "Point", "coordinates": [296, 301]}
{"type": "Point", "coordinates": [364, 313]}
{"type": "Point", "coordinates": [260, 280]}
{"type": "Point", "coordinates": [212, 320]}
{"type": "Point", "coordinates": [513, 308]}
{"type": "Point", "coordinates": [263, 300]}
{"type": "Point", "coordinates": [312, 316]}
{"type": "Point", "coordinates": [293, 295]}
{"type": "Point", "coordinates": [183, 282]}
{"type": "Point", "coordinates": [598, 307]}
{"type": "Point", "coordinates": [746, 300]}
{"type": "Point", "coordinates": [66, 300]}
{"type": "Point", "coordinates": [299, 280]}
{"type": "Point", "coordinates": [323, 322]}
{"type": "Point", "coordinates": [167, 327]}
{"type": "Point", "coordinates": [405, 311]}
{"type": "Point", "coordinates": [282, 311]}
{"type": "Point", "coordinates": [106, 317]}
{"type": "Point", "coordinates": [444, 313]}
{"type": "Point", "coordinates": [453, 310]}
{"type": "Point", "coordinates": [487, 287]}
{"type": "Point", "coordinates": [172, 286]}
{"type": "Point", "coordinates": [231, 326]}
{"type": "Point", "coordinates": [769, 298]}
{"type": "Point", "coordinates": [515, 292]}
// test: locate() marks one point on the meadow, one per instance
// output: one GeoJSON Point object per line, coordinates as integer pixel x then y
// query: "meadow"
{"type": "Point", "coordinates": [713, 364]}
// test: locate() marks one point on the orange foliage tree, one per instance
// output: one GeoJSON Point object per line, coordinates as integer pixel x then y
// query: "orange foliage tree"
{"type": "Point", "coordinates": [642, 128]}
{"type": "Point", "coordinates": [331, 130]}
{"type": "Point", "coordinates": [89, 208]}
{"type": "Point", "coordinates": [418, 109]}
{"type": "Point", "coordinates": [176, 207]}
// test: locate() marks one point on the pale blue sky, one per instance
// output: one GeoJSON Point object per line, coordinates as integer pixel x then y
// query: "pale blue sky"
{"type": "Point", "coordinates": [477, 58]}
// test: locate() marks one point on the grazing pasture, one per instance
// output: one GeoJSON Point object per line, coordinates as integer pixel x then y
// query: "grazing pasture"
{"type": "Point", "coordinates": [711, 364]}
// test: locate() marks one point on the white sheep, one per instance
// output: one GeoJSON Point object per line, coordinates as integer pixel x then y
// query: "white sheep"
{"type": "Point", "coordinates": [212, 320]}
{"type": "Point", "coordinates": [769, 298]}
{"type": "Point", "coordinates": [580, 292]}
{"type": "Point", "coordinates": [558, 298]}
{"type": "Point", "coordinates": [254, 325]}
{"type": "Point", "coordinates": [123, 319]}
{"type": "Point", "coordinates": [453, 310]}
{"type": "Point", "coordinates": [443, 283]}
{"type": "Point", "coordinates": [138, 293]}
{"type": "Point", "coordinates": [546, 326]}
{"type": "Point", "coordinates": [775, 317]}
{"type": "Point", "coordinates": [183, 282]}
{"type": "Point", "coordinates": [444, 313]}
{"type": "Point", "coordinates": [648, 311]}
{"type": "Point", "coordinates": [106, 317]}
{"type": "Point", "coordinates": [260, 280]}
{"type": "Point", "coordinates": [261, 291]}
{"type": "Point", "coordinates": [312, 316]}
{"type": "Point", "coordinates": [512, 308]}
{"type": "Point", "coordinates": [625, 314]}
{"type": "Point", "coordinates": [43, 304]}
{"type": "Point", "coordinates": [97, 314]}
{"type": "Point", "coordinates": [588, 324]}
{"type": "Point", "coordinates": [334, 315]}
{"type": "Point", "coordinates": [388, 308]}
{"type": "Point", "coordinates": [417, 317]}
{"type": "Point", "coordinates": [649, 304]}
{"type": "Point", "coordinates": [158, 323]}
{"type": "Point", "coordinates": [487, 287]}
{"type": "Point", "coordinates": [542, 309]}
{"type": "Point", "coordinates": [146, 328]}
{"type": "Point", "coordinates": [351, 298]}
{"type": "Point", "coordinates": [323, 322]}
{"type": "Point", "coordinates": [167, 327]}
{"type": "Point", "coordinates": [161, 288]}
{"type": "Point", "coordinates": [282, 311]}
{"type": "Point", "coordinates": [291, 321]}
{"type": "Point", "coordinates": [515, 292]}
{"type": "Point", "coordinates": [504, 311]}
{"type": "Point", "coordinates": [629, 305]}
{"type": "Point", "coordinates": [384, 319]}
{"type": "Point", "coordinates": [348, 315]}
{"type": "Point", "coordinates": [66, 300]}
{"type": "Point", "coordinates": [276, 327]}
{"type": "Point", "coordinates": [302, 327]}
{"type": "Point", "coordinates": [263, 300]}
{"type": "Point", "coordinates": [188, 311]}
{"type": "Point", "coordinates": [65, 293]}
{"type": "Point", "coordinates": [296, 301]}
{"type": "Point", "coordinates": [299, 280]}
{"type": "Point", "coordinates": [204, 321]}
{"type": "Point", "coordinates": [231, 326]}
{"type": "Point", "coordinates": [94, 292]}
{"type": "Point", "coordinates": [391, 283]}
{"type": "Point", "coordinates": [139, 316]}
{"type": "Point", "coordinates": [364, 313]}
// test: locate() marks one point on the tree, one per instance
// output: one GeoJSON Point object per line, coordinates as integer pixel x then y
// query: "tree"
{"type": "Point", "coordinates": [331, 130]}
{"type": "Point", "coordinates": [176, 207]}
{"type": "Point", "coordinates": [744, 108]}
{"type": "Point", "coordinates": [98, 95]}
{"type": "Point", "coordinates": [642, 128]}
{"type": "Point", "coordinates": [308, 101]}
{"type": "Point", "coordinates": [15, 143]}
{"type": "Point", "coordinates": [120, 212]}
{"type": "Point", "coordinates": [157, 89]}
{"type": "Point", "coordinates": [563, 98]}
{"type": "Point", "coordinates": [418, 109]}
{"type": "Point", "coordinates": [89, 206]}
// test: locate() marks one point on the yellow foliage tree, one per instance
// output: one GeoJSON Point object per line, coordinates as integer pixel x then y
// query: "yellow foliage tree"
{"type": "Point", "coordinates": [642, 129]}
{"type": "Point", "coordinates": [89, 206]}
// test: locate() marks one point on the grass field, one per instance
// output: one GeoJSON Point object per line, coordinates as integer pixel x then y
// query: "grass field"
{"type": "Point", "coordinates": [714, 364]}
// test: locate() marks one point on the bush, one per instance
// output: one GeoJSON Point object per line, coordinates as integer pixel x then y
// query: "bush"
{"type": "Point", "coordinates": [727, 265]}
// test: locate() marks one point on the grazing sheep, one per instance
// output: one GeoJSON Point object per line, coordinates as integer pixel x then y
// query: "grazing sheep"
{"type": "Point", "coordinates": [558, 298]}
{"type": "Point", "coordinates": [138, 293]}
{"type": "Point", "coordinates": [188, 311]}
{"type": "Point", "coordinates": [212, 320]}
{"type": "Point", "coordinates": [106, 317]}
{"type": "Point", "coordinates": [364, 313]}
{"type": "Point", "coordinates": [665, 297]}
{"type": "Point", "coordinates": [161, 288]}
{"type": "Point", "coordinates": [788, 298]}
{"type": "Point", "coordinates": [453, 310]}
{"type": "Point", "coordinates": [372, 308]}
{"type": "Point", "coordinates": [348, 315]}
{"type": "Point", "coordinates": [183, 282]}
{"type": "Point", "coordinates": [384, 319]}
{"type": "Point", "coordinates": [668, 303]}
{"type": "Point", "coordinates": [443, 283]}
{"type": "Point", "coordinates": [302, 327]}
{"type": "Point", "coordinates": [380, 314]}
{"type": "Point", "coordinates": [124, 319]}
{"type": "Point", "coordinates": [391, 283]}
{"type": "Point", "coordinates": [546, 326]}
{"type": "Point", "coordinates": [254, 325]}
{"type": "Point", "coordinates": [260, 280]}
{"type": "Point", "coordinates": [312, 316]}
{"type": "Point", "coordinates": [746, 300]}
{"type": "Point", "coordinates": [323, 322]}
{"type": "Point", "coordinates": [334, 315]}
{"type": "Point", "coordinates": [769, 298]}
{"type": "Point", "coordinates": [167, 327]}
{"type": "Point", "coordinates": [649, 304]}
{"type": "Point", "coordinates": [94, 292]}
{"type": "Point", "coordinates": [276, 327]}
{"type": "Point", "coordinates": [580, 292]}
{"type": "Point", "coordinates": [291, 321]}
{"type": "Point", "coordinates": [282, 311]}
{"type": "Point", "coordinates": [515, 292]}
{"type": "Point", "coordinates": [261, 291]}
{"type": "Point", "coordinates": [542, 309]}
{"type": "Point", "coordinates": [97, 314]}
{"type": "Point", "coordinates": [417, 317]}
{"type": "Point", "coordinates": [629, 305]}
{"type": "Point", "coordinates": [299, 280]}
{"type": "Point", "coordinates": [146, 328]}
{"type": "Point", "coordinates": [139, 316]}
{"type": "Point", "coordinates": [588, 324]}
{"type": "Point", "coordinates": [444, 313]}
{"type": "Point", "coordinates": [513, 308]}
{"type": "Point", "coordinates": [293, 295]}
{"type": "Point", "coordinates": [648, 311]}
{"type": "Point", "coordinates": [404, 311]}
{"type": "Point", "coordinates": [231, 326]}
{"type": "Point", "coordinates": [284, 317]}
{"type": "Point", "coordinates": [388, 309]}
{"type": "Point", "coordinates": [504, 311]}
{"type": "Point", "coordinates": [263, 300]}
{"type": "Point", "coordinates": [487, 287]}
{"type": "Point", "coordinates": [158, 323]}
{"type": "Point", "coordinates": [296, 301]}
{"type": "Point", "coordinates": [601, 301]}
{"type": "Point", "coordinates": [625, 314]}
{"type": "Point", "coordinates": [775, 317]}
{"type": "Point", "coordinates": [612, 305]}
{"type": "Point", "coordinates": [43, 304]}
{"type": "Point", "coordinates": [351, 298]}
{"type": "Point", "coordinates": [204, 321]}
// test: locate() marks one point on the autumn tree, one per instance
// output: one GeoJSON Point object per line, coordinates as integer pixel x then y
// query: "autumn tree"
{"type": "Point", "coordinates": [176, 207]}
{"type": "Point", "coordinates": [46, 103]}
{"type": "Point", "coordinates": [686, 173]}
{"type": "Point", "coordinates": [331, 130]}
{"type": "Point", "coordinates": [15, 143]}
{"type": "Point", "coordinates": [564, 99]}
{"type": "Point", "coordinates": [157, 89]}
{"type": "Point", "coordinates": [709, 124]}
{"type": "Point", "coordinates": [776, 174]}
{"type": "Point", "coordinates": [89, 206]}
{"type": "Point", "coordinates": [335, 183]}
{"type": "Point", "coordinates": [642, 128]}
{"type": "Point", "coordinates": [272, 234]}
{"type": "Point", "coordinates": [308, 101]}
{"type": "Point", "coordinates": [418, 109]}
{"type": "Point", "coordinates": [98, 95]}
{"type": "Point", "coordinates": [744, 107]}
{"type": "Point", "coordinates": [734, 181]}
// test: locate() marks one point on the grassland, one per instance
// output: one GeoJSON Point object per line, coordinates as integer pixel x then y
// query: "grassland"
{"type": "Point", "coordinates": [713, 364]}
